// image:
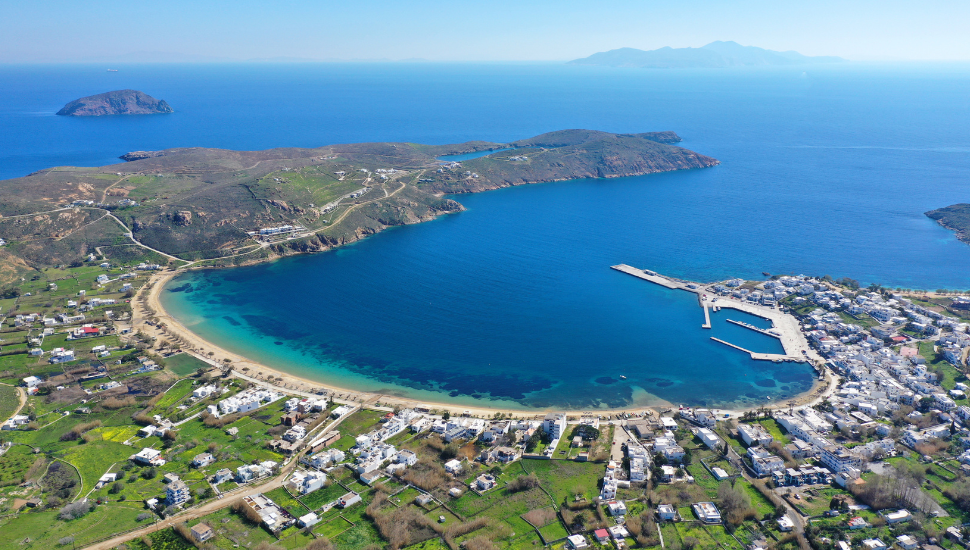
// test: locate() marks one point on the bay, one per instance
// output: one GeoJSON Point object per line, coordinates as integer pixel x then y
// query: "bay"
{"type": "Point", "coordinates": [824, 171]}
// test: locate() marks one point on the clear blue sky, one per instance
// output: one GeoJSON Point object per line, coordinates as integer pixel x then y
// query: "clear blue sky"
{"type": "Point", "coordinates": [454, 30]}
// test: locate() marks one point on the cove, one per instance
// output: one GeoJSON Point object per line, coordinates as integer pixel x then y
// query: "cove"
{"type": "Point", "coordinates": [510, 303]}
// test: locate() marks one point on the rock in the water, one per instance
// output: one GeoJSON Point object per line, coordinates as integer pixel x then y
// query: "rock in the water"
{"type": "Point", "coordinates": [119, 102]}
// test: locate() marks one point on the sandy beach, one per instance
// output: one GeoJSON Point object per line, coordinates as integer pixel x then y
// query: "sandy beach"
{"type": "Point", "coordinates": [146, 306]}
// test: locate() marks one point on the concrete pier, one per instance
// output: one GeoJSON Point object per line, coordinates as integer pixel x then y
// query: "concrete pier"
{"type": "Point", "coordinates": [707, 316]}
{"type": "Point", "coordinates": [654, 278]}
{"type": "Point", "coordinates": [732, 345]}
{"type": "Point", "coordinates": [754, 328]}
{"type": "Point", "coordinates": [776, 357]}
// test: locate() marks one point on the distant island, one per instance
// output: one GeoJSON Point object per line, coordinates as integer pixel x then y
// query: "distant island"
{"type": "Point", "coordinates": [955, 217]}
{"type": "Point", "coordinates": [118, 102]}
{"type": "Point", "coordinates": [714, 55]}
{"type": "Point", "coordinates": [218, 207]}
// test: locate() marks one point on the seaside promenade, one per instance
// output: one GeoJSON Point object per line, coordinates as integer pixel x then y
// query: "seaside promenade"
{"type": "Point", "coordinates": [788, 331]}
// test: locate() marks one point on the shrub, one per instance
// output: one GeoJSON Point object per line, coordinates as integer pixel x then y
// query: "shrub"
{"type": "Point", "coordinates": [75, 510]}
{"type": "Point", "coordinates": [522, 483]}
{"type": "Point", "coordinates": [401, 527]}
{"type": "Point", "coordinates": [320, 543]}
{"type": "Point", "coordinates": [450, 451]}
{"type": "Point", "coordinates": [65, 541]}
{"type": "Point", "coordinates": [113, 403]}
{"type": "Point", "coordinates": [735, 503]}
{"type": "Point", "coordinates": [250, 515]}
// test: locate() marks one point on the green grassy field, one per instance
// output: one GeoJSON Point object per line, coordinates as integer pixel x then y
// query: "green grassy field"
{"type": "Point", "coordinates": [175, 394]}
{"type": "Point", "coordinates": [283, 499]}
{"type": "Point", "coordinates": [775, 430]}
{"type": "Point", "coordinates": [360, 422]}
{"type": "Point", "coordinates": [44, 529]}
{"type": "Point", "coordinates": [317, 499]}
{"type": "Point", "coordinates": [184, 364]}
{"type": "Point", "coordinates": [14, 465]}
{"type": "Point", "coordinates": [9, 401]}
{"type": "Point", "coordinates": [564, 479]}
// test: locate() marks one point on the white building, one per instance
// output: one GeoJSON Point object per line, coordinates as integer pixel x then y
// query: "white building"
{"type": "Point", "coordinates": [308, 481]}
{"type": "Point", "coordinates": [453, 466]}
{"type": "Point", "coordinates": [707, 512]}
{"type": "Point", "coordinates": [554, 425]}
{"type": "Point", "coordinates": [177, 492]}
{"type": "Point", "coordinates": [755, 434]}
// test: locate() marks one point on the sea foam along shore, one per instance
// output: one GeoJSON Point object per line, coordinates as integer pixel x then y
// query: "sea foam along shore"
{"type": "Point", "coordinates": [147, 306]}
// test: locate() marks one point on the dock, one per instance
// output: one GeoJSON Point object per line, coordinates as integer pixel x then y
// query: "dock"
{"type": "Point", "coordinates": [754, 328]}
{"type": "Point", "coordinates": [649, 276]}
{"type": "Point", "coordinates": [776, 357]}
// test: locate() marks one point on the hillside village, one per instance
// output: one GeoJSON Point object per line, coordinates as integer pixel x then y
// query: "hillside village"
{"type": "Point", "coordinates": [113, 438]}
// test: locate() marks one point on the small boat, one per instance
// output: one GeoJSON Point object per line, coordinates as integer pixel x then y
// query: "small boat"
{"type": "Point", "coordinates": [766, 274]}
{"type": "Point", "coordinates": [112, 70]}
{"type": "Point", "coordinates": [622, 377]}
{"type": "Point", "coordinates": [768, 398]}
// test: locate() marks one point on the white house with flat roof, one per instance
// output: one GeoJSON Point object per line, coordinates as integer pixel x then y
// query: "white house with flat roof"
{"type": "Point", "coordinates": [754, 434]}
{"type": "Point", "coordinates": [707, 512]}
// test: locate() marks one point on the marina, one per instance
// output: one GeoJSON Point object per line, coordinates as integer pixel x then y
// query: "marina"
{"type": "Point", "coordinates": [784, 326]}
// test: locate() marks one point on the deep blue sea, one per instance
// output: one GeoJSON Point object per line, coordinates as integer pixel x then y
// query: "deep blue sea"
{"type": "Point", "coordinates": [825, 170]}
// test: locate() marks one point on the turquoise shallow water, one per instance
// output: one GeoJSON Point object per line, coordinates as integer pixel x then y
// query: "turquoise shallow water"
{"type": "Point", "coordinates": [824, 171]}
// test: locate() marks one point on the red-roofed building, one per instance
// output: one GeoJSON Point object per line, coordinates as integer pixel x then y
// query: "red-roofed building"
{"type": "Point", "coordinates": [87, 331]}
{"type": "Point", "coordinates": [602, 535]}
{"type": "Point", "coordinates": [898, 339]}
{"type": "Point", "coordinates": [857, 523]}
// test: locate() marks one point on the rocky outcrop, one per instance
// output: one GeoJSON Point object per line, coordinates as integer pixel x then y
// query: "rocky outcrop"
{"type": "Point", "coordinates": [119, 102]}
{"type": "Point", "coordinates": [140, 155]}
{"type": "Point", "coordinates": [955, 217]}
{"type": "Point", "coordinates": [182, 218]}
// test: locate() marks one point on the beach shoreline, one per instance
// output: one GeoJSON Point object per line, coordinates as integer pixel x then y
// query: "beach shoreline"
{"type": "Point", "coordinates": [147, 306]}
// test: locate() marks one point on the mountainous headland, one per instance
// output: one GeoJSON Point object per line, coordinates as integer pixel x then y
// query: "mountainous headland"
{"type": "Point", "coordinates": [955, 217]}
{"type": "Point", "coordinates": [714, 55]}
{"type": "Point", "coordinates": [216, 207]}
{"type": "Point", "coordinates": [118, 102]}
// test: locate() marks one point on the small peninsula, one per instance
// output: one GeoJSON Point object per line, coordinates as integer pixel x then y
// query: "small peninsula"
{"type": "Point", "coordinates": [714, 55]}
{"type": "Point", "coordinates": [118, 102]}
{"type": "Point", "coordinates": [955, 217]}
{"type": "Point", "coordinates": [216, 207]}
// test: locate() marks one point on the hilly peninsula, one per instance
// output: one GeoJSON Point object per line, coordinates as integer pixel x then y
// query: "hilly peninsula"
{"type": "Point", "coordinates": [206, 207]}
{"type": "Point", "coordinates": [714, 55]}
{"type": "Point", "coordinates": [955, 217]}
{"type": "Point", "coordinates": [118, 102]}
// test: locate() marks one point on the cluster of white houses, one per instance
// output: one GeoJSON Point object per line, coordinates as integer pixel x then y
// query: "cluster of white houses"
{"type": "Point", "coordinates": [245, 401]}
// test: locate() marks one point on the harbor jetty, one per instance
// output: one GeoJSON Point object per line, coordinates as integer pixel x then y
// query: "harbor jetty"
{"type": "Point", "coordinates": [749, 326]}
{"type": "Point", "coordinates": [784, 326]}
